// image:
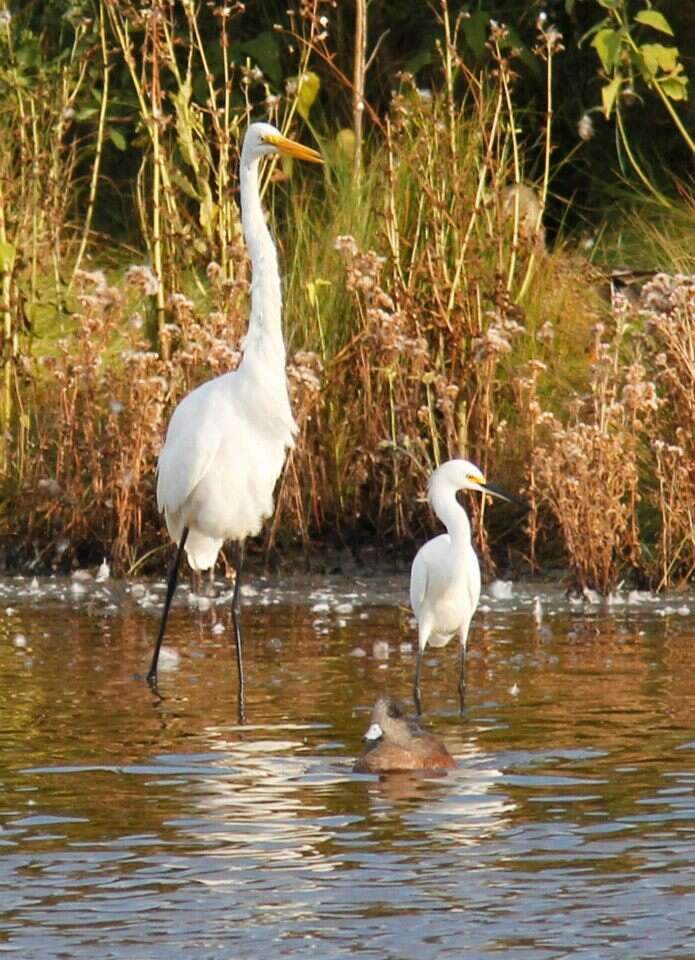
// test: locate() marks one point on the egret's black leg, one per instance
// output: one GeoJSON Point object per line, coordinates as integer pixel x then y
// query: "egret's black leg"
{"type": "Point", "coordinates": [236, 619]}
{"type": "Point", "coordinates": [171, 588]}
{"type": "Point", "coordinates": [462, 679]}
{"type": "Point", "coordinates": [416, 685]}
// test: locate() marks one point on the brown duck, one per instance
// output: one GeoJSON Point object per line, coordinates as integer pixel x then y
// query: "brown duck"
{"type": "Point", "coordinates": [396, 742]}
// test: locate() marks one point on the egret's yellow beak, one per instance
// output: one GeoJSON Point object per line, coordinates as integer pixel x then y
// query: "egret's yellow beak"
{"type": "Point", "coordinates": [293, 149]}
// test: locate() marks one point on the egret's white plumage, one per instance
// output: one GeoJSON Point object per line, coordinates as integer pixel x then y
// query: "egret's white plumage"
{"type": "Point", "coordinates": [445, 575]}
{"type": "Point", "coordinates": [223, 454]}
{"type": "Point", "coordinates": [227, 440]}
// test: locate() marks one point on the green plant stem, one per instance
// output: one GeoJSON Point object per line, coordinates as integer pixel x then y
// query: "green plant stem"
{"type": "Point", "coordinates": [504, 80]}
{"type": "Point", "coordinates": [307, 47]}
{"type": "Point", "coordinates": [9, 347]}
{"type": "Point", "coordinates": [654, 84]}
{"type": "Point", "coordinates": [449, 76]}
{"type": "Point", "coordinates": [98, 148]}
{"type": "Point", "coordinates": [224, 201]}
{"type": "Point", "coordinates": [222, 132]}
{"type": "Point", "coordinates": [546, 170]}
{"type": "Point", "coordinates": [360, 56]}
{"type": "Point", "coordinates": [120, 28]}
{"type": "Point", "coordinates": [482, 179]}
{"type": "Point", "coordinates": [674, 116]}
{"type": "Point", "coordinates": [658, 196]}
{"type": "Point", "coordinates": [157, 237]}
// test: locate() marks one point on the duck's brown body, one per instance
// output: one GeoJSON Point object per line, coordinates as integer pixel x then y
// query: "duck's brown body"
{"type": "Point", "coordinates": [402, 745]}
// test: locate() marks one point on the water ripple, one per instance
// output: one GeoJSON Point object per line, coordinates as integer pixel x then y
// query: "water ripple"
{"type": "Point", "coordinates": [134, 827]}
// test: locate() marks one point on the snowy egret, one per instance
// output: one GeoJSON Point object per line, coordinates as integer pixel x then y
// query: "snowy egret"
{"type": "Point", "coordinates": [227, 440]}
{"type": "Point", "coordinates": [445, 576]}
{"type": "Point", "coordinates": [396, 742]}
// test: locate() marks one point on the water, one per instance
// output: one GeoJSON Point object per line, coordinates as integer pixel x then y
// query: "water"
{"type": "Point", "coordinates": [134, 827]}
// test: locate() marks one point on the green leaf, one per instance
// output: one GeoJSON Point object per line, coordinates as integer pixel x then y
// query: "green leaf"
{"type": "Point", "coordinates": [7, 255]}
{"type": "Point", "coordinates": [655, 56]}
{"type": "Point", "coordinates": [652, 18]}
{"type": "Point", "coordinates": [42, 317]}
{"type": "Point", "coordinates": [421, 59]}
{"type": "Point", "coordinates": [117, 139]}
{"type": "Point", "coordinates": [608, 94]}
{"type": "Point", "coordinates": [475, 30]}
{"type": "Point", "coordinates": [307, 91]}
{"type": "Point", "coordinates": [184, 184]}
{"type": "Point", "coordinates": [17, 80]}
{"type": "Point", "coordinates": [208, 210]}
{"type": "Point", "coordinates": [345, 142]}
{"type": "Point", "coordinates": [184, 125]}
{"type": "Point", "coordinates": [29, 54]}
{"type": "Point", "coordinates": [86, 113]}
{"type": "Point", "coordinates": [675, 87]}
{"type": "Point", "coordinates": [312, 289]}
{"type": "Point", "coordinates": [607, 45]}
{"type": "Point", "coordinates": [263, 49]}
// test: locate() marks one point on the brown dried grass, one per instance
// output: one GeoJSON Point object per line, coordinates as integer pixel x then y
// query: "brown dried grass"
{"type": "Point", "coordinates": [444, 328]}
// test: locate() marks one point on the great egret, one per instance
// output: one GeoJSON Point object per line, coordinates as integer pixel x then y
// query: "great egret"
{"type": "Point", "coordinates": [396, 742]}
{"type": "Point", "coordinates": [228, 438]}
{"type": "Point", "coordinates": [445, 576]}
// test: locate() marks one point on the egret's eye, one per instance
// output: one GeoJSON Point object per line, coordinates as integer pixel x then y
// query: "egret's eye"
{"type": "Point", "coordinates": [473, 479]}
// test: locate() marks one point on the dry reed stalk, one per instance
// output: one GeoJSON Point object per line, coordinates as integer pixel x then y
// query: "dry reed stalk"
{"type": "Point", "coordinates": [417, 376]}
{"type": "Point", "coordinates": [530, 412]}
{"type": "Point", "coordinates": [667, 309]}
{"type": "Point", "coordinates": [426, 373]}
{"type": "Point", "coordinates": [359, 71]}
{"type": "Point", "coordinates": [588, 468]}
{"type": "Point", "coordinates": [420, 361]}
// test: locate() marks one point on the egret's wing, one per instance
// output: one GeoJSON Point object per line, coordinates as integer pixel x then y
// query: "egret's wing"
{"type": "Point", "coordinates": [473, 579]}
{"type": "Point", "coordinates": [192, 442]}
{"type": "Point", "coordinates": [429, 559]}
{"type": "Point", "coordinates": [418, 581]}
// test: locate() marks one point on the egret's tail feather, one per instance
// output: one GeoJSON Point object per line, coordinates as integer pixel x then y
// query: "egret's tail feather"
{"type": "Point", "coordinates": [201, 550]}
{"type": "Point", "coordinates": [439, 639]}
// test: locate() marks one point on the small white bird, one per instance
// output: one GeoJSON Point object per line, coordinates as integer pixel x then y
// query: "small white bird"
{"type": "Point", "coordinates": [445, 576]}
{"type": "Point", "coordinates": [227, 440]}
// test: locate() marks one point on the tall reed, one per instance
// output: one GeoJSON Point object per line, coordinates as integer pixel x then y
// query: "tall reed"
{"type": "Point", "coordinates": [39, 154]}
{"type": "Point", "coordinates": [426, 317]}
{"type": "Point", "coordinates": [431, 283]}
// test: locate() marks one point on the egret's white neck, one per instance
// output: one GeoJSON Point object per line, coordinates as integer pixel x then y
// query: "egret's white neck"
{"type": "Point", "coordinates": [452, 515]}
{"type": "Point", "coordinates": [265, 323]}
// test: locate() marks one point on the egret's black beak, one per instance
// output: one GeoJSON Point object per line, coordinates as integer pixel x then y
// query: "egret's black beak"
{"type": "Point", "coordinates": [496, 492]}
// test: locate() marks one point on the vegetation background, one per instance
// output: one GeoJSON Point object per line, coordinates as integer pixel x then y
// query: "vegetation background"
{"type": "Point", "coordinates": [496, 262]}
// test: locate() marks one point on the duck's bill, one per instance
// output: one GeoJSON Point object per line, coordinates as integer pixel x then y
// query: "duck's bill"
{"type": "Point", "coordinates": [374, 733]}
{"type": "Point", "coordinates": [291, 148]}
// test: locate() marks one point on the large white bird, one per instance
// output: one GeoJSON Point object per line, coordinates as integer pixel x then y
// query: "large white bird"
{"type": "Point", "coordinates": [227, 439]}
{"type": "Point", "coordinates": [445, 576]}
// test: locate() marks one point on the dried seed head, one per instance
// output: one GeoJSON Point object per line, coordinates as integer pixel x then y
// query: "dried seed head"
{"type": "Point", "coordinates": [143, 279]}
{"type": "Point", "coordinates": [585, 127]}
